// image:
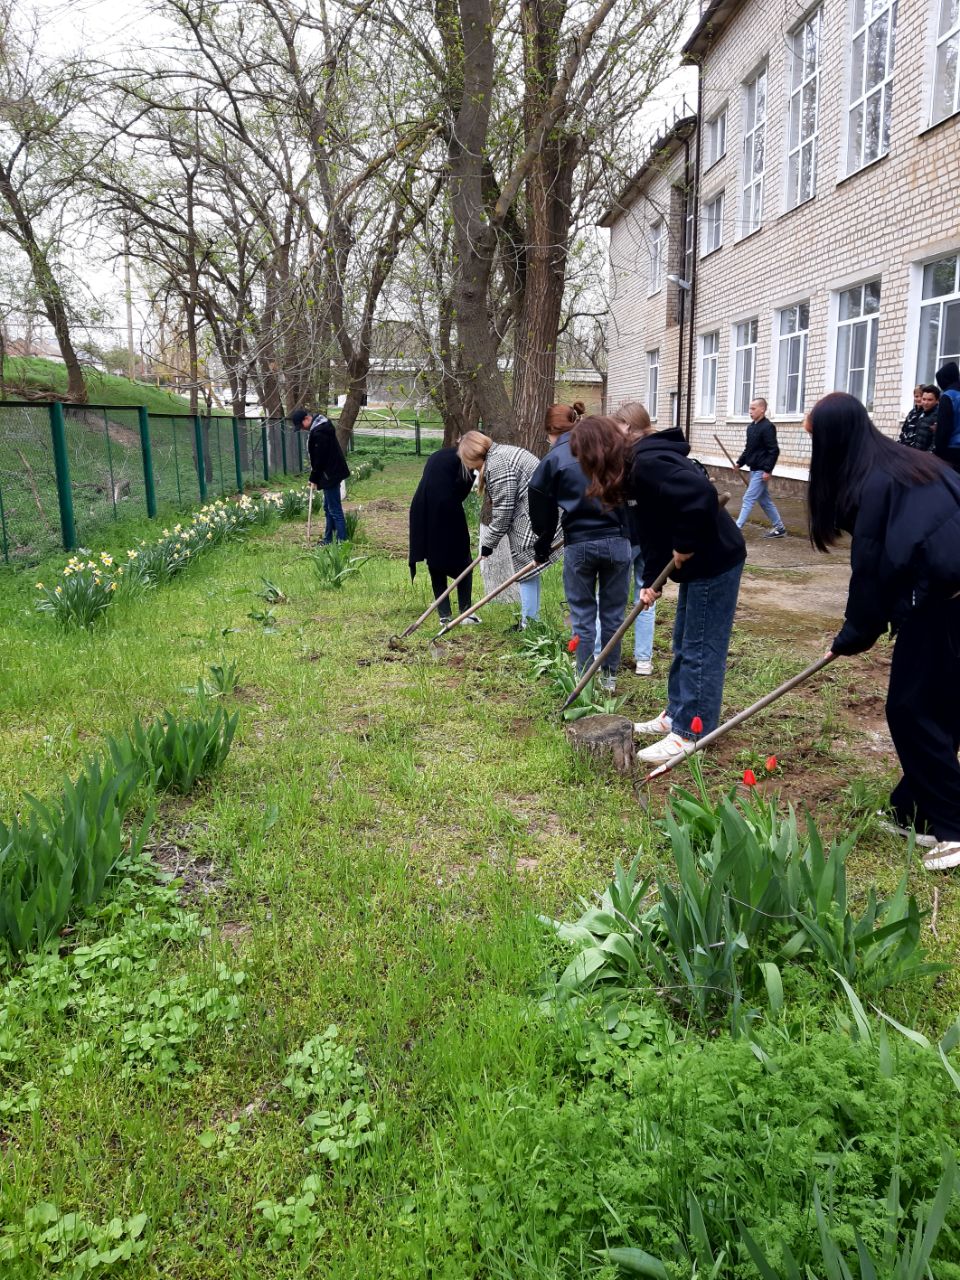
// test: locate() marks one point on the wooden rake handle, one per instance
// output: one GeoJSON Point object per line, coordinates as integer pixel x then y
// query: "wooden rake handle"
{"type": "Point", "coordinates": [743, 479]}
{"type": "Point", "coordinates": [439, 600]}
{"type": "Point", "coordinates": [521, 573]}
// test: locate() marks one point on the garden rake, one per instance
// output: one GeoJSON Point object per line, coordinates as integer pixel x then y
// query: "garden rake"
{"type": "Point", "coordinates": [309, 511]}
{"type": "Point", "coordinates": [521, 573]}
{"type": "Point", "coordinates": [739, 718]}
{"type": "Point", "coordinates": [743, 479]}
{"type": "Point", "coordinates": [632, 615]}
{"type": "Point", "coordinates": [394, 642]}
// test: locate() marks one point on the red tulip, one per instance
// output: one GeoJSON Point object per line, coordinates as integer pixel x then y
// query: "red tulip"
{"type": "Point", "coordinates": [771, 763]}
{"type": "Point", "coordinates": [696, 725]}
{"type": "Point", "coordinates": [572, 644]}
{"type": "Point", "coordinates": [749, 778]}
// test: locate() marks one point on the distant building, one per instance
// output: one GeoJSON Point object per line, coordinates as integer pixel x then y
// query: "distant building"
{"type": "Point", "coordinates": [801, 231]}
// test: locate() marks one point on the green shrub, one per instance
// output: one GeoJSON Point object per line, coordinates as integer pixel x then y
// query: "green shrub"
{"type": "Point", "coordinates": [175, 753]}
{"type": "Point", "coordinates": [334, 565]}
{"type": "Point", "coordinates": [60, 857]}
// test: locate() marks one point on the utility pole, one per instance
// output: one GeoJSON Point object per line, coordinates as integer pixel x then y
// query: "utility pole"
{"type": "Point", "coordinates": [129, 300]}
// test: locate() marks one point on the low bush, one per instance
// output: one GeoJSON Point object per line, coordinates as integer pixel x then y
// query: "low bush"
{"type": "Point", "coordinates": [172, 753]}
{"type": "Point", "coordinates": [334, 565]}
{"type": "Point", "coordinates": [84, 593]}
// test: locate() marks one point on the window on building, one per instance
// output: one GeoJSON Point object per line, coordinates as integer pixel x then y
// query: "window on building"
{"type": "Point", "coordinates": [939, 316]}
{"type": "Point", "coordinates": [658, 241]}
{"type": "Point", "coordinates": [793, 324]}
{"type": "Point", "coordinates": [744, 366]}
{"type": "Point", "coordinates": [803, 111]}
{"type": "Point", "coordinates": [709, 359]}
{"type": "Point", "coordinates": [946, 76]}
{"type": "Point", "coordinates": [715, 141]}
{"type": "Point", "coordinates": [653, 382]}
{"type": "Point", "coordinates": [712, 225]}
{"type": "Point", "coordinates": [754, 138]}
{"type": "Point", "coordinates": [871, 81]}
{"type": "Point", "coordinates": [674, 408]}
{"type": "Point", "coordinates": [858, 322]}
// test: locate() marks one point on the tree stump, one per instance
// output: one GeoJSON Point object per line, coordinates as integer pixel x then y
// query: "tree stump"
{"type": "Point", "coordinates": [606, 738]}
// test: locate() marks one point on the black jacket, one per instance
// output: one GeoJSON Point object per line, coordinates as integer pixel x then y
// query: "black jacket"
{"type": "Point", "coordinates": [919, 430]}
{"type": "Point", "coordinates": [559, 487]}
{"type": "Point", "coordinates": [438, 525]}
{"type": "Point", "coordinates": [906, 548]}
{"type": "Point", "coordinates": [948, 416]}
{"type": "Point", "coordinates": [328, 466]}
{"type": "Point", "coordinates": [678, 510]}
{"type": "Point", "coordinates": [761, 451]}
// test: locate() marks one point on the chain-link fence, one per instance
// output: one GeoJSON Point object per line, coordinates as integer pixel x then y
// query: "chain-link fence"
{"type": "Point", "coordinates": [67, 471]}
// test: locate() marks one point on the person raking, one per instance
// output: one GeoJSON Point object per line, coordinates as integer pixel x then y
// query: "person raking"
{"type": "Point", "coordinates": [328, 468]}
{"type": "Point", "coordinates": [438, 529]}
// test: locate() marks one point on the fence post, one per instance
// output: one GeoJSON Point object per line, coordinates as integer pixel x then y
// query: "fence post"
{"type": "Point", "coordinates": [58, 431]}
{"type": "Point", "coordinates": [236, 453]}
{"type": "Point", "coordinates": [266, 461]}
{"type": "Point", "coordinates": [416, 431]}
{"type": "Point", "coordinates": [283, 445]}
{"type": "Point", "coordinates": [201, 460]}
{"type": "Point", "coordinates": [299, 439]}
{"type": "Point", "coordinates": [147, 453]}
{"type": "Point", "coordinates": [3, 529]}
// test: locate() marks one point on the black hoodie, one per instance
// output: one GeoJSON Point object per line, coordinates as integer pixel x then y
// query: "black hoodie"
{"type": "Point", "coordinates": [947, 444]}
{"type": "Point", "coordinates": [678, 510]}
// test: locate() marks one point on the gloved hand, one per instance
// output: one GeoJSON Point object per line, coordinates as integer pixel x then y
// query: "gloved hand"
{"type": "Point", "coordinates": [486, 551]}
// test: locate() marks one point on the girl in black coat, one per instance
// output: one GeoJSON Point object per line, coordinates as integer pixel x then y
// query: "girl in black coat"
{"type": "Point", "coordinates": [903, 509]}
{"type": "Point", "coordinates": [438, 528]}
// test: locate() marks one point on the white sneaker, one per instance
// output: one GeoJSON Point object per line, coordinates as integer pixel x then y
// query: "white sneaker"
{"type": "Point", "coordinates": [669, 747]}
{"type": "Point", "coordinates": [607, 682]}
{"type": "Point", "coordinates": [943, 856]}
{"type": "Point", "coordinates": [662, 724]}
{"type": "Point", "coordinates": [644, 668]}
{"type": "Point", "coordinates": [471, 620]}
{"type": "Point", "coordinates": [892, 829]}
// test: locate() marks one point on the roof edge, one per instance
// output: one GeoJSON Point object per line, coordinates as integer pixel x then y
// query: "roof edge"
{"type": "Point", "coordinates": [661, 149]}
{"type": "Point", "coordinates": [712, 22]}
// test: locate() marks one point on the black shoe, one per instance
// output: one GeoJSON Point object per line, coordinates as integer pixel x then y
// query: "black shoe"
{"type": "Point", "coordinates": [517, 626]}
{"type": "Point", "coordinates": [779, 532]}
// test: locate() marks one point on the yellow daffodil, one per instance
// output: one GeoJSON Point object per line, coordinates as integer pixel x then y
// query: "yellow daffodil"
{"type": "Point", "coordinates": [113, 586]}
{"type": "Point", "coordinates": [39, 586]}
{"type": "Point", "coordinates": [58, 591]}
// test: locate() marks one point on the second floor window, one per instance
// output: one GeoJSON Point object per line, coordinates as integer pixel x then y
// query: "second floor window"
{"type": "Point", "coordinates": [754, 140]}
{"type": "Point", "coordinates": [946, 77]}
{"type": "Point", "coordinates": [709, 359]}
{"type": "Point", "coordinates": [658, 241]}
{"type": "Point", "coordinates": [793, 325]}
{"type": "Point", "coordinates": [803, 111]}
{"type": "Point", "coordinates": [716, 138]}
{"type": "Point", "coordinates": [744, 366]}
{"type": "Point", "coordinates": [939, 316]}
{"type": "Point", "coordinates": [653, 382]}
{"type": "Point", "coordinates": [871, 81]}
{"type": "Point", "coordinates": [712, 225]}
{"type": "Point", "coordinates": [857, 330]}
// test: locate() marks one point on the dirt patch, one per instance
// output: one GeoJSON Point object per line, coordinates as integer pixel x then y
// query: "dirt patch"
{"type": "Point", "coordinates": [200, 880]}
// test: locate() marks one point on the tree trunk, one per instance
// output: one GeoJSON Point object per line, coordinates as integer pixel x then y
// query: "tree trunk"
{"type": "Point", "coordinates": [350, 410]}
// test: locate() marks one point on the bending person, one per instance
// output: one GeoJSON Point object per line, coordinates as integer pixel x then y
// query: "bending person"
{"type": "Point", "coordinates": [902, 507]}
{"type": "Point", "coordinates": [679, 517]}
{"type": "Point", "coordinates": [438, 529]}
{"type": "Point", "coordinates": [505, 473]}
{"type": "Point", "coordinates": [596, 555]}
{"type": "Point", "coordinates": [328, 468]}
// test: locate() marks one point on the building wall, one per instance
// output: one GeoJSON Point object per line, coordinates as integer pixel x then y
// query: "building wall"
{"type": "Point", "coordinates": [880, 223]}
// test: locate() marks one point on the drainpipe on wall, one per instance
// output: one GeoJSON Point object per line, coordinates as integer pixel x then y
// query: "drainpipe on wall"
{"type": "Point", "coordinates": [692, 291]}
{"type": "Point", "coordinates": [683, 292]}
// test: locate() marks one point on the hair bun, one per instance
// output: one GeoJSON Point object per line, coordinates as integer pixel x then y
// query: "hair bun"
{"type": "Point", "coordinates": [579, 408]}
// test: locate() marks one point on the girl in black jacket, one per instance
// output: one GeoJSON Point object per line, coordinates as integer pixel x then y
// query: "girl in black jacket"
{"type": "Point", "coordinates": [679, 518]}
{"type": "Point", "coordinates": [903, 509]}
{"type": "Point", "coordinates": [438, 528]}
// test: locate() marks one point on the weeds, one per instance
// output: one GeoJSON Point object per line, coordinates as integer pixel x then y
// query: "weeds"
{"type": "Point", "coordinates": [547, 654]}
{"type": "Point", "coordinates": [173, 753]}
{"type": "Point", "coordinates": [334, 565]}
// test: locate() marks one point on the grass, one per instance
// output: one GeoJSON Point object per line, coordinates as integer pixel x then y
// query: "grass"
{"type": "Point", "coordinates": [371, 857]}
{"type": "Point", "coordinates": [102, 388]}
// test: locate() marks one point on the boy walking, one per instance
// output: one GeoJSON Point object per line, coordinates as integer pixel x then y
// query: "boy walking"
{"type": "Point", "coordinates": [760, 454]}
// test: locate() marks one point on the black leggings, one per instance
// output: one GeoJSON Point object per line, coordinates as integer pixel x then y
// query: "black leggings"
{"type": "Point", "coordinates": [438, 581]}
{"type": "Point", "coordinates": [923, 712]}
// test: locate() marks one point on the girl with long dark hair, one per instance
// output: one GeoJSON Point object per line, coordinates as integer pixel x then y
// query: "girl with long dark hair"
{"type": "Point", "coordinates": [903, 509]}
{"type": "Point", "coordinates": [678, 518]}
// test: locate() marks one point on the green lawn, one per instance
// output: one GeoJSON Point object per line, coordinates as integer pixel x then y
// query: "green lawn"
{"type": "Point", "coordinates": [373, 857]}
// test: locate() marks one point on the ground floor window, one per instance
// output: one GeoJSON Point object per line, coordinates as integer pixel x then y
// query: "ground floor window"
{"type": "Point", "coordinates": [709, 359]}
{"type": "Point", "coordinates": [793, 326]}
{"type": "Point", "coordinates": [858, 322]}
{"type": "Point", "coordinates": [939, 316]}
{"type": "Point", "coordinates": [653, 382]}
{"type": "Point", "coordinates": [744, 366]}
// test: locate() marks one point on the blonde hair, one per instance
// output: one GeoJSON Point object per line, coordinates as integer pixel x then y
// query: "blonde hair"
{"type": "Point", "coordinates": [635, 417]}
{"type": "Point", "coordinates": [473, 449]}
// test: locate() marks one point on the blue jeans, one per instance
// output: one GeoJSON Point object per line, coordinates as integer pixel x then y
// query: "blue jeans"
{"type": "Point", "coordinates": [529, 599]}
{"type": "Point", "coordinates": [701, 637]}
{"type": "Point", "coordinates": [596, 578]}
{"type": "Point", "coordinates": [643, 627]}
{"type": "Point", "coordinates": [333, 509]}
{"type": "Point", "coordinates": [756, 491]}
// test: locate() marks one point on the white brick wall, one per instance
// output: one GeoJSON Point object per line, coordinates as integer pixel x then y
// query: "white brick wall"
{"type": "Point", "coordinates": [878, 223]}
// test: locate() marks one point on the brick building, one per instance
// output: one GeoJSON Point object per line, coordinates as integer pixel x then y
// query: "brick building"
{"type": "Point", "coordinates": [800, 231]}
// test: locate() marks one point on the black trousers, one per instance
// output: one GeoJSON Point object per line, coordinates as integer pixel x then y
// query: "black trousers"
{"type": "Point", "coordinates": [923, 712]}
{"type": "Point", "coordinates": [438, 581]}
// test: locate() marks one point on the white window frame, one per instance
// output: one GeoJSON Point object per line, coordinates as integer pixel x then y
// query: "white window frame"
{"type": "Point", "coordinates": [708, 374]}
{"type": "Point", "coordinates": [754, 133]}
{"type": "Point", "coordinates": [866, 15]}
{"type": "Point", "coordinates": [938, 303]}
{"type": "Point", "coordinates": [802, 148]}
{"type": "Point", "coordinates": [738, 350]}
{"type": "Point", "coordinates": [868, 320]}
{"type": "Point", "coordinates": [658, 241]}
{"type": "Point", "coordinates": [783, 344]}
{"type": "Point", "coordinates": [711, 233]}
{"type": "Point", "coordinates": [942, 40]}
{"type": "Point", "coordinates": [716, 136]}
{"type": "Point", "coordinates": [653, 382]}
